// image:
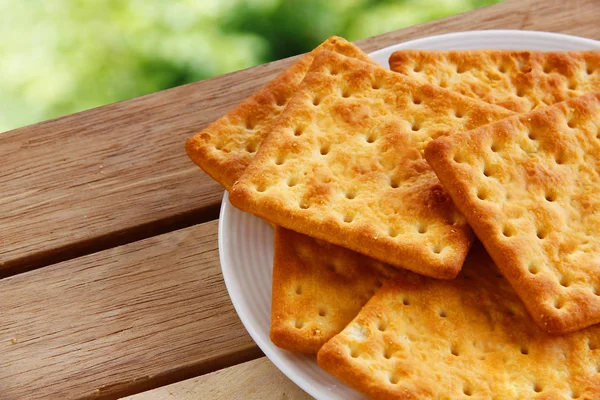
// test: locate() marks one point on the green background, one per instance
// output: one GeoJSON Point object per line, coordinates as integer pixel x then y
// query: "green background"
{"type": "Point", "coordinates": [58, 57]}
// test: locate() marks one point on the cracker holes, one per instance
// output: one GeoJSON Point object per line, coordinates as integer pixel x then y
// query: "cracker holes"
{"type": "Point", "coordinates": [592, 345]}
{"type": "Point", "coordinates": [437, 248]}
{"type": "Point", "coordinates": [354, 352]}
{"type": "Point", "coordinates": [303, 205]}
{"type": "Point", "coordinates": [461, 69]}
{"type": "Point", "coordinates": [418, 68]}
{"type": "Point", "coordinates": [525, 350]}
{"type": "Point", "coordinates": [520, 92]}
{"type": "Point", "coordinates": [442, 313]}
{"type": "Point", "coordinates": [575, 393]}
{"type": "Point", "coordinates": [542, 233]}
{"type": "Point", "coordinates": [559, 303]}
{"type": "Point", "coordinates": [531, 136]}
{"type": "Point", "coordinates": [454, 350]}
{"type": "Point", "coordinates": [547, 68]}
{"type": "Point", "coordinates": [370, 138]}
{"type": "Point", "coordinates": [299, 324]}
{"type": "Point", "coordinates": [508, 231]}
{"type": "Point", "coordinates": [550, 196]}
{"type": "Point", "coordinates": [346, 93]}
{"type": "Point", "coordinates": [394, 379]}
{"type": "Point", "coordinates": [406, 301]}
{"type": "Point", "coordinates": [487, 171]}
{"type": "Point", "coordinates": [421, 228]}
{"type": "Point", "coordinates": [595, 290]}
{"type": "Point", "coordinates": [415, 126]}
{"type": "Point", "coordinates": [299, 290]}
{"type": "Point", "coordinates": [416, 100]}
{"type": "Point", "coordinates": [495, 147]}
{"type": "Point", "coordinates": [533, 269]}
{"type": "Point", "coordinates": [251, 147]}
{"type": "Point", "coordinates": [502, 68]}
{"type": "Point", "coordinates": [250, 124]}
{"type": "Point", "coordinates": [468, 391]}
{"type": "Point", "coordinates": [458, 158]}
{"type": "Point", "coordinates": [483, 194]}
{"type": "Point", "coordinates": [333, 72]}
{"type": "Point", "coordinates": [387, 354]}
{"type": "Point", "coordinates": [537, 387]}
{"type": "Point", "coordinates": [325, 148]}
{"type": "Point", "coordinates": [459, 114]}
{"type": "Point", "coordinates": [350, 194]}
{"type": "Point", "coordinates": [375, 85]}
{"type": "Point", "coordinates": [394, 183]}
{"type": "Point", "coordinates": [219, 146]}
{"type": "Point", "coordinates": [322, 312]}
{"type": "Point", "coordinates": [382, 326]}
{"type": "Point", "coordinates": [261, 187]}
{"type": "Point", "coordinates": [299, 130]}
{"type": "Point", "coordinates": [292, 181]}
{"type": "Point", "coordinates": [572, 84]}
{"type": "Point", "coordinates": [565, 282]}
{"type": "Point", "coordinates": [589, 69]}
{"type": "Point", "coordinates": [560, 158]}
{"type": "Point", "coordinates": [349, 218]}
{"type": "Point", "coordinates": [393, 232]}
{"type": "Point", "coordinates": [316, 101]}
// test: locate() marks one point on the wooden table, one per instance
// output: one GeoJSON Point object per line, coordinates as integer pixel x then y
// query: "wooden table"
{"type": "Point", "coordinates": [108, 240]}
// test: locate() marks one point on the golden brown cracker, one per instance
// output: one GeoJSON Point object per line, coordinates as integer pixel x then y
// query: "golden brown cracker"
{"type": "Point", "coordinates": [529, 186]}
{"type": "Point", "coordinates": [318, 288]}
{"type": "Point", "coordinates": [519, 80]}
{"type": "Point", "coordinates": [226, 147]}
{"type": "Point", "coordinates": [469, 338]}
{"type": "Point", "coordinates": [344, 164]}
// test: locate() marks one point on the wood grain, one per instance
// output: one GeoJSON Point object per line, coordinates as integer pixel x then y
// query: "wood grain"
{"type": "Point", "coordinates": [118, 173]}
{"type": "Point", "coordinates": [119, 321]}
{"type": "Point", "coordinates": [253, 380]}
{"type": "Point", "coordinates": [576, 17]}
{"type": "Point", "coordinates": [155, 311]}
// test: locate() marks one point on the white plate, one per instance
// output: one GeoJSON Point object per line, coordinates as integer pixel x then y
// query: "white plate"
{"type": "Point", "coordinates": [246, 242]}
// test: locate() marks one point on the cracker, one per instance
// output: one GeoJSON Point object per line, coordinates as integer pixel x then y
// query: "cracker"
{"type": "Point", "coordinates": [518, 80]}
{"type": "Point", "coordinates": [225, 148]}
{"type": "Point", "coordinates": [318, 288]}
{"type": "Point", "coordinates": [529, 186]}
{"type": "Point", "coordinates": [344, 164]}
{"type": "Point", "coordinates": [421, 338]}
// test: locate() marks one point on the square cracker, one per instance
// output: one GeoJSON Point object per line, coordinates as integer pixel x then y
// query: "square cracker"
{"type": "Point", "coordinates": [226, 147]}
{"type": "Point", "coordinates": [421, 338]}
{"type": "Point", "coordinates": [318, 288]}
{"type": "Point", "coordinates": [344, 164]}
{"type": "Point", "coordinates": [529, 186]}
{"type": "Point", "coordinates": [518, 80]}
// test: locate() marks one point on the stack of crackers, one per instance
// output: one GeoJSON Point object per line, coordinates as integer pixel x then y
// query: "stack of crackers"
{"type": "Point", "coordinates": [436, 225]}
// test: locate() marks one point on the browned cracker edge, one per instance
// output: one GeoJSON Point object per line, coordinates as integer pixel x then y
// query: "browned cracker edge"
{"type": "Point", "coordinates": [330, 231]}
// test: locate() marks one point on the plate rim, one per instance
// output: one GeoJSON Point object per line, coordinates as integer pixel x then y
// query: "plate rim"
{"type": "Point", "coordinates": [224, 216]}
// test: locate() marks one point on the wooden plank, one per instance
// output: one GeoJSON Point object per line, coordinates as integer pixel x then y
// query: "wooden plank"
{"type": "Point", "coordinates": [119, 321]}
{"type": "Point", "coordinates": [576, 17]}
{"type": "Point", "coordinates": [253, 380]}
{"type": "Point", "coordinates": [118, 173]}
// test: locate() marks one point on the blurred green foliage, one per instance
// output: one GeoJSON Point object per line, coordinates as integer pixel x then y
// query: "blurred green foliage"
{"type": "Point", "coordinates": [62, 56]}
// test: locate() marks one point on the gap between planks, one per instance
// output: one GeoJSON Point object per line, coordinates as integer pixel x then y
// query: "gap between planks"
{"type": "Point", "coordinates": [253, 380]}
{"type": "Point", "coordinates": [120, 321]}
{"type": "Point", "coordinates": [118, 173]}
